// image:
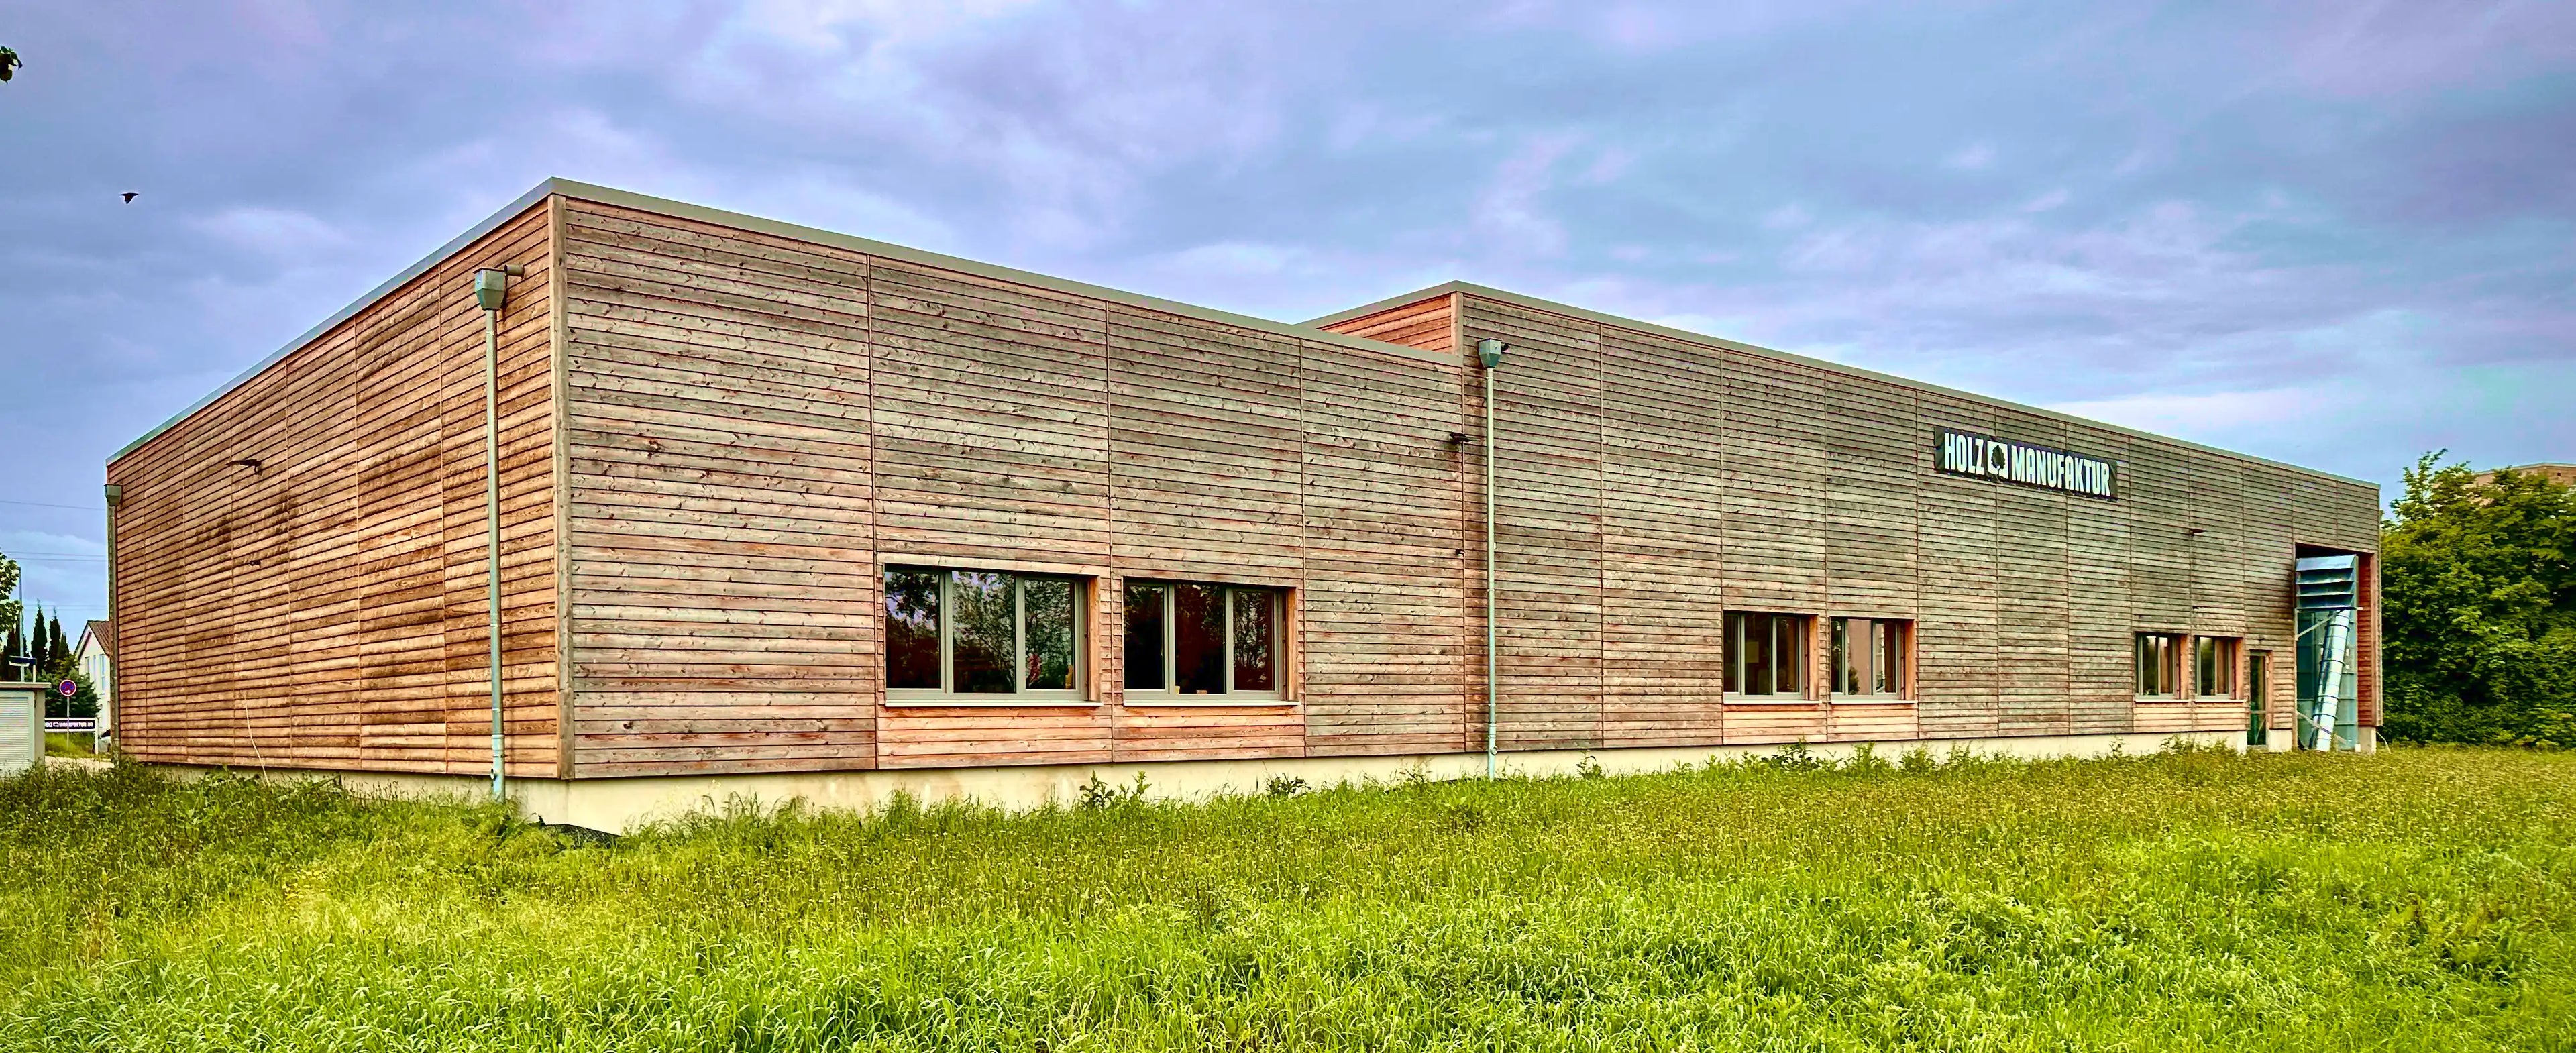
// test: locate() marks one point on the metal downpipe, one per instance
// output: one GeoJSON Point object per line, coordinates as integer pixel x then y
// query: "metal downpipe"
{"type": "Point", "coordinates": [1490, 353]}
{"type": "Point", "coordinates": [491, 292]}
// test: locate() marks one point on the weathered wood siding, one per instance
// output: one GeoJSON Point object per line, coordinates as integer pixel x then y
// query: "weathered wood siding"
{"type": "Point", "coordinates": [325, 607]}
{"type": "Point", "coordinates": [761, 424]}
{"type": "Point", "coordinates": [1650, 482]}
{"type": "Point", "coordinates": [720, 431]}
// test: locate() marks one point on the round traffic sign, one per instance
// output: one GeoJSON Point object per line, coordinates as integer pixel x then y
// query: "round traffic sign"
{"type": "Point", "coordinates": [68, 688]}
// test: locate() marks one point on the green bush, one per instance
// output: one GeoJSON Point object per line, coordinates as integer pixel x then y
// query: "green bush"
{"type": "Point", "coordinates": [2480, 610]}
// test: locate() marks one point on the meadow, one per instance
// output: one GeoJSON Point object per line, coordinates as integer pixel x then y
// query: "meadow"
{"type": "Point", "coordinates": [2417, 899]}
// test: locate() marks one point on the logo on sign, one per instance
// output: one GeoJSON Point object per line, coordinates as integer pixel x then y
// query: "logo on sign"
{"type": "Point", "coordinates": [1967, 453]}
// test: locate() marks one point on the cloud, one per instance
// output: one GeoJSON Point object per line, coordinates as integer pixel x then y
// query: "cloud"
{"type": "Point", "coordinates": [2333, 234]}
{"type": "Point", "coordinates": [275, 232]}
{"type": "Point", "coordinates": [1511, 210]}
{"type": "Point", "coordinates": [1975, 157]}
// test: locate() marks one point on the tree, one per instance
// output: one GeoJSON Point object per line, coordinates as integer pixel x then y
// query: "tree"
{"type": "Point", "coordinates": [11, 611]}
{"type": "Point", "coordinates": [36, 644]}
{"type": "Point", "coordinates": [2479, 607]}
{"type": "Point", "coordinates": [61, 650]}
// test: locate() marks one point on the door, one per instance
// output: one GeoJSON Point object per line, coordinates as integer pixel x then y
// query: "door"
{"type": "Point", "coordinates": [2258, 695]}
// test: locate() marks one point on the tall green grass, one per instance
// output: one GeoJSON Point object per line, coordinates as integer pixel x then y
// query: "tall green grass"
{"type": "Point", "coordinates": [2420, 899]}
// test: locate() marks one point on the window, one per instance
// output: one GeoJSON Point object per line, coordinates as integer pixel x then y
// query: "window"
{"type": "Point", "coordinates": [2214, 666]}
{"type": "Point", "coordinates": [1189, 639]}
{"type": "Point", "coordinates": [979, 632]}
{"type": "Point", "coordinates": [1869, 657]}
{"type": "Point", "coordinates": [1766, 655]}
{"type": "Point", "coordinates": [2159, 665]}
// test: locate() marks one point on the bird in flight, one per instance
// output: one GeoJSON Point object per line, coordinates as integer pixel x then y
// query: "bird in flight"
{"type": "Point", "coordinates": [129, 197]}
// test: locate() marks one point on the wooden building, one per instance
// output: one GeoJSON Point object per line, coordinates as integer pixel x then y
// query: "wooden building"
{"type": "Point", "coordinates": [777, 503]}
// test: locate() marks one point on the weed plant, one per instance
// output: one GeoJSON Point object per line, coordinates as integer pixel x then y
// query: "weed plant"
{"type": "Point", "coordinates": [2419, 899]}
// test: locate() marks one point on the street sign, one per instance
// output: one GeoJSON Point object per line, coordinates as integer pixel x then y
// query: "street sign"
{"type": "Point", "coordinates": [75, 725]}
{"type": "Point", "coordinates": [67, 688]}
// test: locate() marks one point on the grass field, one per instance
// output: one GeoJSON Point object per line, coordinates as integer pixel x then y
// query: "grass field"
{"type": "Point", "coordinates": [2419, 899]}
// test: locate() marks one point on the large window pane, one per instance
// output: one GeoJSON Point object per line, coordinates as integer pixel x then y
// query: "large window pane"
{"type": "Point", "coordinates": [912, 628]}
{"type": "Point", "coordinates": [1145, 637]}
{"type": "Point", "coordinates": [986, 636]}
{"type": "Point", "coordinates": [1048, 633]}
{"type": "Point", "coordinates": [1789, 650]}
{"type": "Point", "coordinates": [1198, 639]}
{"type": "Point", "coordinates": [1255, 641]}
{"type": "Point", "coordinates": [1733, 660]}
{"type": "Point", "coordinates": [1844, 656]}
{"type": "Point", "coordinates": [2159, 663]}
{"type": "Point", "coordinates": [1887, 658]}
{"type": "Point", "coordinates": [1757, 655]}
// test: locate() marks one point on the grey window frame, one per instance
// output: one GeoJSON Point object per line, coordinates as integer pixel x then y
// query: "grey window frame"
{"type": "Point", "coordinates": [1165, 695]}
{"type": "Point", "coordinates": [1020, 694]}
{"type": "Point", "coordinates": [1808, 690]}
{"type": "Point", "coordinates": [2177, 644]}
{"type": "Point", "coordinates": [2230, 651]}
{"type": "Point", "coordinates": [1838, 631]}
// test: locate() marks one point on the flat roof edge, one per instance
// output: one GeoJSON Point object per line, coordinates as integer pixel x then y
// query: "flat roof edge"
{"type": "Point", "coordinates": [816, 235]}
{"type": "Point", "coordinates": [1605, 318]}
{"type": "Point", "coordinates": [439, 255]}
{"type": "Point", "coordinates": [780, 228]}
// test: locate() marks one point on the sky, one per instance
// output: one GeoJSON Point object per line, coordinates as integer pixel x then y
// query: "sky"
{"type": "Point", "coordinates": [2338, 234]}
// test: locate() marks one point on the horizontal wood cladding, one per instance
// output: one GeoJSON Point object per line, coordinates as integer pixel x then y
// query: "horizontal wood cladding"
{"type": "Point", "coordinates": [300, 564]}
{"type": "Point", "coordinates": [1648, 483]}
{"type": "Point", "coordinates": [758, 426]}
{"type": "Point", "coordinates": [722, 500]}
{"type": "Point", "coordinates": [1429, 324]}
{"type": "Point", "coordinates": [716, 438]}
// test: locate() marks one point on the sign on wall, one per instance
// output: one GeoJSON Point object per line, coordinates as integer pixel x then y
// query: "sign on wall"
{"type": "Point", "coordinates": [1967, 453]}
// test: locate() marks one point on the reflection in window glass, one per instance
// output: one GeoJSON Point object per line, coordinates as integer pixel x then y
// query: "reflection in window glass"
{"type": "Point", "coordinates": [1766, 654]}
{"type": "Point", "coordinates": [1047, 605]}
{"type": "Point", "coordinates": [2216, 659]}
{"type": "Point", "coordinates": [1868, 657]}
{"type": "Point", "coordinates": [1887, 662]}
{"type": "Point", "coordinates": [912, 628]}
{"type": "Point", "coordinates": [1255, 649]}
{"type": "Point", "coordinates": [1850, 657]}
{"type": "Point", "coordinates": [1198, 639]}
{"type": "Point", "coordinates": [1732, 661]}
{"type": "Point", "coordinates": [2159, 663]}
{"type": "Point", "coordinates": [985, 634]}
{"type": "Point", "coordinates": [1789, 653]}
{"type": "Point", "coordinates": [1145, 637]}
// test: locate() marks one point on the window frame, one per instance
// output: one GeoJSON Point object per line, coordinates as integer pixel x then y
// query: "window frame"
{"type": "Point", "coordinates": [1838, 639]}
{"type": "Point", "coordinates": [1167, 695]}
{"type": "Point", "coordinates": [2227, 653]}
{"type": "Point", "coordinates": [1020, 695]}
{"type": "Point", "coordinates": [2175, 645]}
{"type": "Point", "coordinates": [1732, 678]}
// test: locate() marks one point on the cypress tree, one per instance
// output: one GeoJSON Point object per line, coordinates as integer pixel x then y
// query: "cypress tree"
{"type": "Point", "coordinates": [17, 644]}
{"type": "Point", "coordinates": [36, 644]}
{"type": "Point", "coordinates": [62, 650]}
